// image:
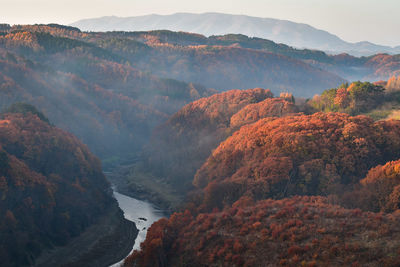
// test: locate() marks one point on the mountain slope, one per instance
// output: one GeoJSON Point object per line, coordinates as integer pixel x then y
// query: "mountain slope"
{"type": "Point", "coordinates": [101, 86]}
{"type": "Point", "coordinates": [87, 90]}
{"type": "Point", "coordinates": [180, 146]}
{"type": "Point", "coordinates": [234, 220]}
{"type": "Point", "coordinates": [300, 231]}
{"type": "Point", "coordinates": [225, 68]}
{"type": "Point", "coordinates": [52, 190]}
{"type": "Point", "coordinates": [317, 154]}
{"type": "Point", "coordinates": [282, 31]}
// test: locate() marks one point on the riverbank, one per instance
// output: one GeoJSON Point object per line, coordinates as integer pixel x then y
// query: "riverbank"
{"type": "Point", "coordinates": [132, 181]}
{"type": "Point", "coordinates": [102, 244]}
{"type": "Point", "coordinates": [142, 213]}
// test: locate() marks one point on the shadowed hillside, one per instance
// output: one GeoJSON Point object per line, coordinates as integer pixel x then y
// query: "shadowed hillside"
{"type": "Point", "coordinates": [84, 89]}
{"type": "Point", "coordinates": [179, 147]}
{"type": "Point", "coordinates": [52, 190]}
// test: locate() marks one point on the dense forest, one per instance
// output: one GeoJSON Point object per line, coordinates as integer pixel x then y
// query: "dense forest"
{"type": "Point", "coordinates": [51, 187]}
{"type": "Point", "coordinates": [179, 147]}
{"type": "Point", "coordinates": [379, 100]}
{"type": "Point", "coordinates": [298, 231]}
{"type": "Point", "coordinates": [284, 182]}
{"type": "Point", "coordinates": [317, 154]}
{"type": "Point", "coordinates": [304, 173]}
{"type": "Point", "coordinates": [84, 89]}
{"type": "Point", "coordinates": [112, 80]}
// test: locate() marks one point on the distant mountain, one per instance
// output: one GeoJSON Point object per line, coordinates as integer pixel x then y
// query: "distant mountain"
{"type": "Point", "coordinates": [295, 34]}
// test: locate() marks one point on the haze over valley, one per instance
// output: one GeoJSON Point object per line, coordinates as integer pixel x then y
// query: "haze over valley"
{"type": "Point", "coordinates": [197, 139]}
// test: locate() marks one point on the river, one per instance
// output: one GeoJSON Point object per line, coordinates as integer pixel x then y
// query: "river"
{"type": "Point", "coordinates": [142, 213]}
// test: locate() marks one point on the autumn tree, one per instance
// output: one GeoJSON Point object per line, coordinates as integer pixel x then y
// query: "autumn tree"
{"type": "Point", "coordinates": [316, 154]}
{"type": "Point", "coordinates": [51, 187]}
{"type": "Point", "coordinates": [307, 231]}
{"type": "Point", "coordinates": [353, 99]}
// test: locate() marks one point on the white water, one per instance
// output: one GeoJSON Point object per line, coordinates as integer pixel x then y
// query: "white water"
{"type": "Point", "coordinates": [135, 211]}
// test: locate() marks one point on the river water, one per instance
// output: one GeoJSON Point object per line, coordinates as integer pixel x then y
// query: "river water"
{"type": "Point", "coordinates": [142, 213]}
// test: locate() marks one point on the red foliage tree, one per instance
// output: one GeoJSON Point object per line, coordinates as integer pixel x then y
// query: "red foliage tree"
{"type": "Point", "coordinates": [321, 234]}
{"type": "Point", "coordinates": [316, 154]}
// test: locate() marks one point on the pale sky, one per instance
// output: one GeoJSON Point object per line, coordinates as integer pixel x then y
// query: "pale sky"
{"type": "Point", "coordinates": [377, 21]}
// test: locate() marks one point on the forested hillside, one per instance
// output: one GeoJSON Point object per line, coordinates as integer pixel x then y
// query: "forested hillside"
{"type": "Point", "coordinates": [299, 231]}
{"type": "Point", "coordinates": [303, 172]}
{"type": "Point", "coordinates": [211, 62]}
{"type": "Point", "coordinates": [370, 68]}
{"type": "Point", "coordinates": [248, 212]}
{"type": "Point", "coordinates": [181, 145]}
{"type": "Point", "coordinates": [314, 155]}
{"type": "Point", "coordinates": [108, 78]}
{"type": "Point", "coordinates": [84, 89]}
{"type": "Point", "coordinates": [51, 189]}
{"type": "Point", "coordinates": [283, 187]}
{"type": "Point", "coordinates": [380, 100]}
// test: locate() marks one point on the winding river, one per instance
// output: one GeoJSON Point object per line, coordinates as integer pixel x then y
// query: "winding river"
{"type": "Point", "coordinates": [142, 213]}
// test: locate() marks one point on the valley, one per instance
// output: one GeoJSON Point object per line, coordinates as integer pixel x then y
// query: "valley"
{"type": "Point", "coordinates": [163, 148]}
{"type": "Point", "coordinates": [142, 214]}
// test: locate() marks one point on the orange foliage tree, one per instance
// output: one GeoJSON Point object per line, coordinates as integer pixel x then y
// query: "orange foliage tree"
{"type": "Point", "coordinates": [315, 154]}
{"type": "Point", "coordinates": [306, 231]}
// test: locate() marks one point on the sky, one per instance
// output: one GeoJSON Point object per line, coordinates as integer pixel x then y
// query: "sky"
{"type": "Point", "coordinates": [376, 21]}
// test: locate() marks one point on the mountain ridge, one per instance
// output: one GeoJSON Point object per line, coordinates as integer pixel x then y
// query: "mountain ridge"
{"type": "Point", "coordinates": [300, 35]}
